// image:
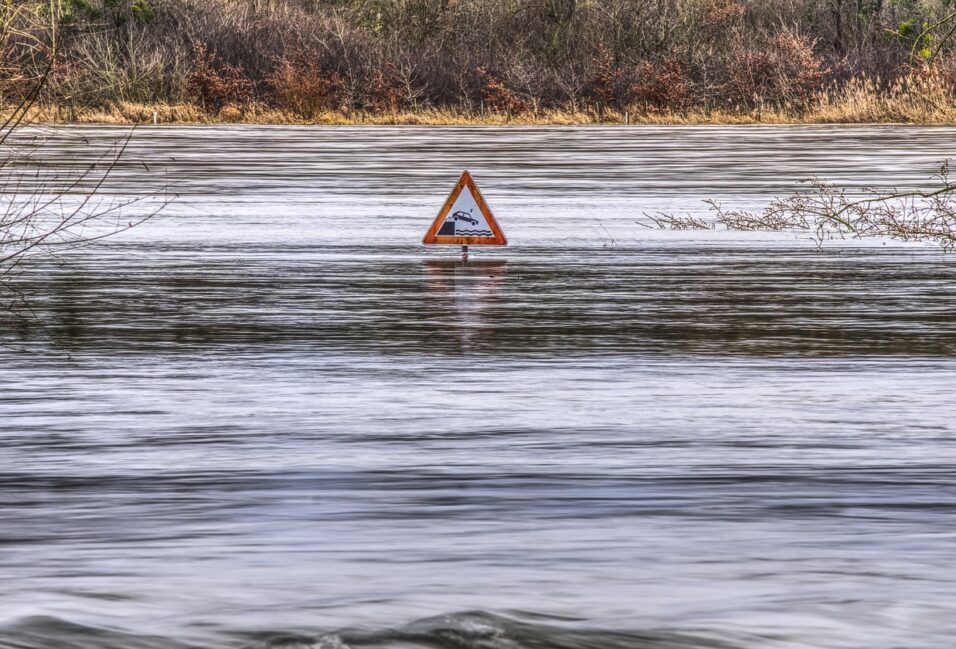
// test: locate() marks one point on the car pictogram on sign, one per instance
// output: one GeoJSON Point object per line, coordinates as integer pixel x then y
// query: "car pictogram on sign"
{"type": "Point", "coordinates": [464, 216]}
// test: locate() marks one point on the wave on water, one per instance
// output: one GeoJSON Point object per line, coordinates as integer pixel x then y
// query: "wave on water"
{"type": "Point", "coordinates": [42, 632]}
{"type": "Point", "coordinates": [471, 630]}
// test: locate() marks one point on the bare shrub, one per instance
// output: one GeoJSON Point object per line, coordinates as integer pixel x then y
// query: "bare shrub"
{"type": "Point", "coordinates": [28, 54]}
{"type": "Point", "coordinates": [387, 92]}
{"type": "Point", "coordinates": [48, 207]}
{"type": "Point", "coordinates": [666, 221]}
{"type": "Point", "coordinates": [44, 214]}
{"type": "Point", "coordinates": [783, 70]}
{"type": "Point", "coordinates": [120, 64]}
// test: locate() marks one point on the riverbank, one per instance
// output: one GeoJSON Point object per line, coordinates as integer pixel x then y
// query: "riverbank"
{"type": "Point", "coordinates": [860, 103]}
{"type": "Point", "coordinates": [558, 62]}
{"type": "Point", "coordinates": [868, 111]}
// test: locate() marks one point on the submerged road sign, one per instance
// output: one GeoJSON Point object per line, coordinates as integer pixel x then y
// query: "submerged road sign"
{"type": "Point", "coordinates": [465, 219]}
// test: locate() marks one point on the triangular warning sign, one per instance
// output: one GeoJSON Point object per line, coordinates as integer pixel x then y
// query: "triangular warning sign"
{"type": "Point", "coordinates": [465, 219]}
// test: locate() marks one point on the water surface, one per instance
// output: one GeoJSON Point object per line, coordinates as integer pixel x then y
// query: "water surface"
{"type": "Point", "coordinates": [270, 417]}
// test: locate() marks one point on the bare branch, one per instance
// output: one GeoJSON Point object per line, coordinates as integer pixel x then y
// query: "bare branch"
{"type": "Point", "coordinates": [827, 210]}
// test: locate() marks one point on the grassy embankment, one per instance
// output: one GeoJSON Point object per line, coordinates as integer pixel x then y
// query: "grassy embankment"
{"type": "Point", "coordinates": [860, 103]}
{"type": "Point", "coordinates": [850, 106]}
{"type": "Point", "coordinates": [907, 101]}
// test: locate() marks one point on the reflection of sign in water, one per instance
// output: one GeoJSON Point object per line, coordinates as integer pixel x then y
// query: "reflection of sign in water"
{"type": "Point", "coordinates": [461, 297]}
{"type": "Point", "coordinates": [465, 218]}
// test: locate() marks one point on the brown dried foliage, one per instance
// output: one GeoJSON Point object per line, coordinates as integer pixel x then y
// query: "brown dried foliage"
{"type": "Point", "coordinates": [497, 96]}
{"type": "Point", "coordinates": [662, 85]}
{"type": "Point", "coordinates": [300, 85]}
{"type": "Point", "coordinates": [721, 15]}
{"type": "Point", "coordinates": [213, 85]}
{"type": "Point", "coordinates": [606, 86]}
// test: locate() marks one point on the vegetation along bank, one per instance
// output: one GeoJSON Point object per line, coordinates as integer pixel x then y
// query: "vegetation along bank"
{"type": "Point", "coordinates": [494, 61]}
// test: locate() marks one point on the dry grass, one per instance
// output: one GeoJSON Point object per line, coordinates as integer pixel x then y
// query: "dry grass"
{"type": "Point", "coordinates": [919, 98]}
{"type": "Point", "coordinates": [922, 97]}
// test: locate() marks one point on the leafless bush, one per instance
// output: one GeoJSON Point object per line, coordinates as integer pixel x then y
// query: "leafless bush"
{"type": "Point", "coordinates": [51, 213]}
{"type": "Point", "coordinates": [783, 70]}
{"type": "Point", "coordinates": [666, 221]}
{"type": "Point", "coordinates": [827, 210]}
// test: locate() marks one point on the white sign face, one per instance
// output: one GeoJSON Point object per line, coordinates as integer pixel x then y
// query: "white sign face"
{"type": "Point", "coordinates": [465, 218]}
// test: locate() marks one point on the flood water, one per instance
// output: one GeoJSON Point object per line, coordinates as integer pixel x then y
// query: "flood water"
{"type": "Point", "coordinates": [269, 417]}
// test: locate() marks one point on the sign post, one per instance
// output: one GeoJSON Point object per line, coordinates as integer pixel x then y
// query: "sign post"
{"type": "Point", "coordinates": [465, 219]}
